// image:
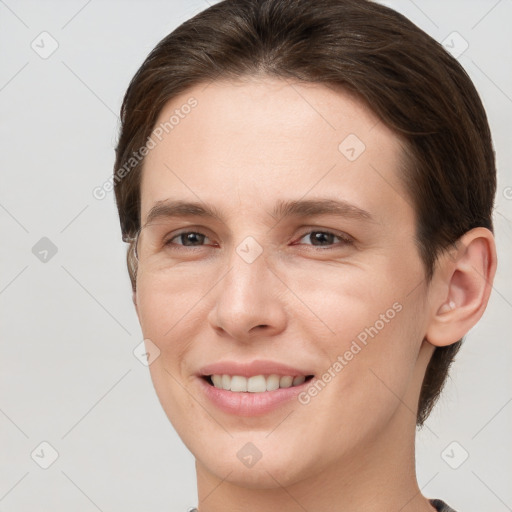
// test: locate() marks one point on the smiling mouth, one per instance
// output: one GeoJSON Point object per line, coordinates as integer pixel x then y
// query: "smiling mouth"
{"type": "Point", "coordinates": [256, 383]}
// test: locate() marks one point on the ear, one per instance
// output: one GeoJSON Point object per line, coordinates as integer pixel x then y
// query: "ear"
{"type": "Point", "coordinates": [460, 287]}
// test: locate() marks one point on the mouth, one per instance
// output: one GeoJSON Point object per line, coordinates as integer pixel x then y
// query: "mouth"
{"type": "Point", "coordinates": [252, 388]}
{"type": "Point", "coordinates": [255, 383]}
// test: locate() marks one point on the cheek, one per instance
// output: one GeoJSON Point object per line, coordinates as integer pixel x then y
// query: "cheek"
{"type": "Point", "coordinates": [381, 379]}
{"type": "Point", "coordinates": [375, 326]}
{"type": "Point", "coordinates": [345, 299]}
{"type": "Point", "coordinates": [166, 309]}
{"type": "Point", "coordinates": [167, 303]}
{"type": "Point", "coordinates": [367, 377]}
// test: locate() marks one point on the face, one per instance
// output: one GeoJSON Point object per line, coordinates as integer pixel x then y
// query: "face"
{"type": "Point", "coordinates": [297, 264]}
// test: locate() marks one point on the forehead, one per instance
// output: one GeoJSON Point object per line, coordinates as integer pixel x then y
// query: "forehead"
{"type": "Point", "coordinates": [266, 138]}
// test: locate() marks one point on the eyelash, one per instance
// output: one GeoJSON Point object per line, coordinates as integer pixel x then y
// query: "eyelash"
{"type": "Point", "coordinates": [345, 239]}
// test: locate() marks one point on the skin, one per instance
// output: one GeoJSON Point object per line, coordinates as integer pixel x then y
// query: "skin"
{"type": "Point", "coordinates": [246, 145]}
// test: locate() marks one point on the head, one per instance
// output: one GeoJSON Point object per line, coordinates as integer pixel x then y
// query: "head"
{"type": "Point", "coordinates": [253, 104]}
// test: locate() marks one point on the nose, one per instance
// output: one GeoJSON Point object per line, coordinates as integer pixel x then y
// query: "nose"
{"type": "Point", "coordinates": [248, 301]}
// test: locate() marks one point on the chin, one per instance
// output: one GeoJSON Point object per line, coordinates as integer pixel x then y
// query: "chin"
{"type": "Point", "coordinates": [268, 474]}
{"type": "Point", "coordinates": [253, 459]}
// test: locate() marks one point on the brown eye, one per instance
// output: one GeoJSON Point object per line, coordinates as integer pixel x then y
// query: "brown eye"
{"type": "Point", "coordinates": [188, 239]}
{"type": "Point", "coordinates": [324, 238]}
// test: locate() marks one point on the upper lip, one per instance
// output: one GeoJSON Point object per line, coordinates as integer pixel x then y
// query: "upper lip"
{"type": "Point", "coordinates": [251, 368]}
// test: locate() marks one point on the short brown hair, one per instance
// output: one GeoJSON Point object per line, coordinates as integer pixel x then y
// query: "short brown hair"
{"type": "Point", "coordinates": [409, 81]}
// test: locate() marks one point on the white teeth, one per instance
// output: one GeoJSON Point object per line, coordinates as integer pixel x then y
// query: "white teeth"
{"type": "Point", "coordinates": [256, 383]}
{"type": "Point", "coordinates": [299, 380]}
{"type": "Point", "coordinates": [272, 382]}
{"type": "Point", "coordinates": [238, 383]}
{"type": "Point", "coordinates": [226, 382]}
{"type": "Point", "coordinates": [285, 382]}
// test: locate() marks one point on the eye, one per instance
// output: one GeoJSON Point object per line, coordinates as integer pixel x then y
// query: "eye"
{"type": "Point", "coordinates": [321, 238]}
{"type": "Point", "coordinates": [317, 238]}
{"type": "Point", "coordinates": [188, 239]}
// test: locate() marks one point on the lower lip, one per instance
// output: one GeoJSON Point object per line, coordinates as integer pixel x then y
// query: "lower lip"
{"type": "Point", "coordinates": [250, 404]}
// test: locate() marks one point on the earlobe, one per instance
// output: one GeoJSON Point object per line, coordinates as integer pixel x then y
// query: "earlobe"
{"type": "Point", "coordinates": [461, 287]}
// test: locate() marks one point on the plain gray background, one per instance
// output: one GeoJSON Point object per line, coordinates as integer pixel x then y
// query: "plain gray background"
{"type": "Point", "coordinates": [68, 328]}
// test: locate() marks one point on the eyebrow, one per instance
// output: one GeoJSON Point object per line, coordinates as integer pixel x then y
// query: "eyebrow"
{"type": "Point", "coordinates": [282, 209]}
